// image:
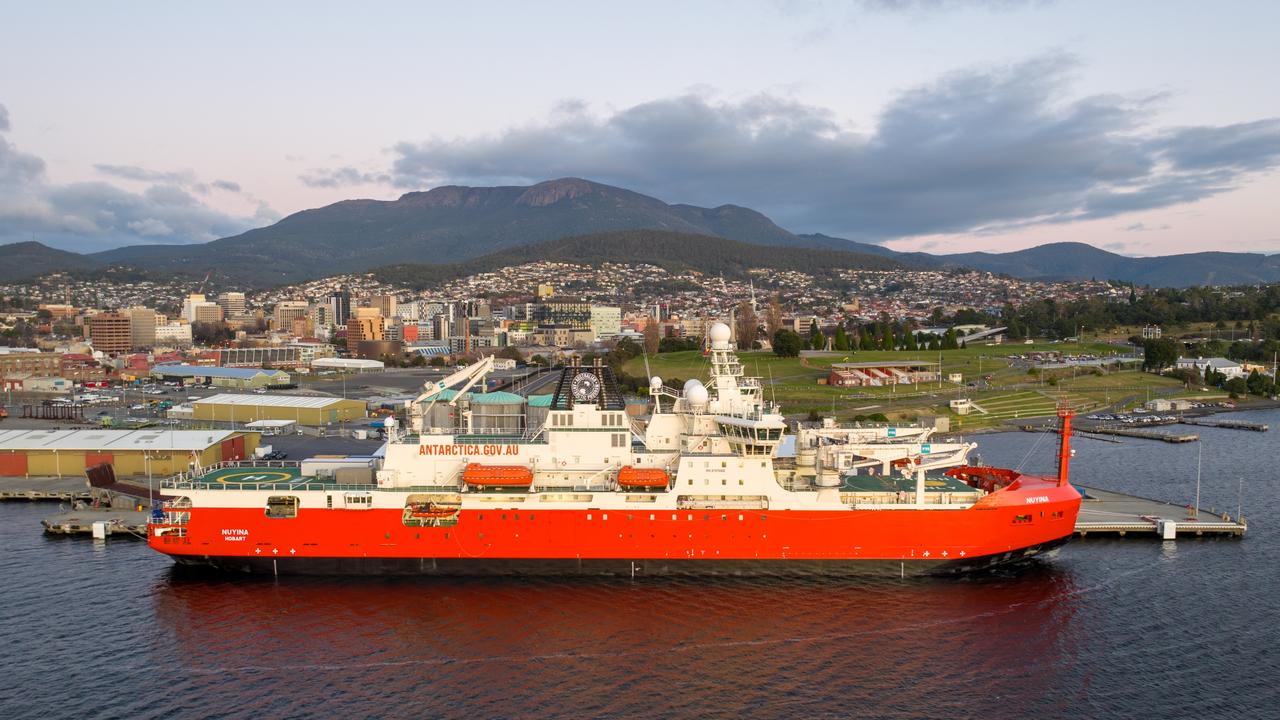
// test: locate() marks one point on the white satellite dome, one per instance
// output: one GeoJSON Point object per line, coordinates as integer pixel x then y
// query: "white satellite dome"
{"type": "Point", "coordinates": [719, 333]}
{"type": "Point", "coordinates": [696, 395]}
{"type": "Point", "coordinates": [692, 383]}
{"type": "Point", "coordinates": [655, 382]}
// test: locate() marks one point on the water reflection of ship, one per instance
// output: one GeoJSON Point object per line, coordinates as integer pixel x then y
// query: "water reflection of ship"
{"type": "Point", "coordinates": [922, 643]}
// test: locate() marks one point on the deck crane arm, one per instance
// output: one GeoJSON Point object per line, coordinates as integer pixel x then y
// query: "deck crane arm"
{"type": "Point", "coordinates": [468, 376]}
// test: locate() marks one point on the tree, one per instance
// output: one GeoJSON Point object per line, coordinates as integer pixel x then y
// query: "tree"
{"type": "Point", "coordinates": [818, 342]}
{"type": "Point", "coordinates": [787, 343]}
{"type": "Point", "coordinates": [1159, 354]}
{"type": "Point", "coordinates": [841, 340]}
{"type": "Point", "coordinates": [651, 337]}
{"type": "Point", "coordinates": [510, 352]}
{"type": "Point", "coordinates": [745, 325]}
{"type": "Point", "coordinates": [1237, 386]}
{"type": "Point", "coordinates": [773, 316]}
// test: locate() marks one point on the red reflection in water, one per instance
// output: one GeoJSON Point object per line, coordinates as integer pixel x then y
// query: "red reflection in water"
{"type": "Point", "coordinates": [513, 647]}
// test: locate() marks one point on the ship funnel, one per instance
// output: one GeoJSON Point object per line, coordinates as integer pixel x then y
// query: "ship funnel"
{"type": "Point", "coordinates": [1064, 448]}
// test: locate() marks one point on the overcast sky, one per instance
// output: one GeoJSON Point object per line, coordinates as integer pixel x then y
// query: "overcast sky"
{"type": "Point", "coordinates": [1143, 128]}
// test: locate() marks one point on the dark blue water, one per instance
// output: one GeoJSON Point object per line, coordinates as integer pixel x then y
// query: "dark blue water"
{"type": "Point", "coordinates": [1108, 628]}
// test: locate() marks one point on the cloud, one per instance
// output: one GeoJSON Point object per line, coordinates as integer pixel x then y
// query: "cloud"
{"type": "Point", "coordinates": [981, 150]}
{"type": "Point", "coordinates": [232, 187]}
{"type": "Point", "coordinates": [341, 177]}
{"type": "Point", "coordinates": [1142, 227]}
{"type": "Point", "coordinates": [140, 174]}
{"type": "Point", "coordinates": [89, 216]}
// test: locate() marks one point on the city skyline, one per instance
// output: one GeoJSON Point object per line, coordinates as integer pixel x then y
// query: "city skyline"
{"type": "Point", "coordinates": [935, 126]}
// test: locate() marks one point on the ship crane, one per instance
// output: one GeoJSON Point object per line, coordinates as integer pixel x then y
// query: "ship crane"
{"type": "Point", "coordinates": [468, 376]}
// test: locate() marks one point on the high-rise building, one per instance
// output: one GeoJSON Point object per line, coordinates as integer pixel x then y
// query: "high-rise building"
{"type": "Point", "coordinates": [197, 309]}
{"type": "Point", "coordinates": [340, 306]}
{"type": "Point", "coordinates": [321, 317]}
{"type": "Point", "coordinates": [207, 312]}
{"type": "Point", "coordinates": [286, 312]}
{"type": "Point", "coordinates": [142, 324]}
{"type": "Point", "coordinates": [368, 324]}
{"type": "Point", "coordinates": [574, 312]}
{"type": "Point", "coordinates": [110, 332]}
{"type": "Point", "coordinates": [385, 305]}
{"type": "Point", "coordinates": [606, 321]}
{"type": "Point", "coordinates": [232, 304]}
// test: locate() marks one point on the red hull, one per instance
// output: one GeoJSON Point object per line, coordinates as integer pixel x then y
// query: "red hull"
{"type": "Point", "coordinates": [1001, 524]}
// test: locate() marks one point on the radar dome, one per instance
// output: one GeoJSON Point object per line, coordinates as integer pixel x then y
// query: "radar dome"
{"type": "Point", "coordinates": [692, 383]}
{"type": "Point", "coordinates": [655, 382]}
{"type": "Point", "coordinates": [696, 395]}
{"type": "Point", "coordinates": [719, 333]}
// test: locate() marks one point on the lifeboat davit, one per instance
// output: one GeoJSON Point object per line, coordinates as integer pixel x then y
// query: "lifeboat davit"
{"type": "Point", "coordinates": [634, 478]}
{"type": "Point", "coordinates": [497, 476]}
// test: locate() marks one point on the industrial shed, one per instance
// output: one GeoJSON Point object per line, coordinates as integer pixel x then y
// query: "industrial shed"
{"type": "Point", "coordinates": [156, 453]}
{"type": "Point", "coordinates": [239, 378]}
{"type": "Point", "coordinates": [302, 409]}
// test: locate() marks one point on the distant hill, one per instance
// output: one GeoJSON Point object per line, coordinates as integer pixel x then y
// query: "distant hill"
{"type": "Point", "coordinates": [32, 259]}
{"type": "Point", "coordinates": [1079, 261]}
{"type": "Point", "coordinates": [454, 224]}
{"type": "Point", "coordinates": [671, 251]}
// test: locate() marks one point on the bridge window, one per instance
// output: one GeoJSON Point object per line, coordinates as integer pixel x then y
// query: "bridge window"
{"type": "Point", "coordinates": [282, 506]}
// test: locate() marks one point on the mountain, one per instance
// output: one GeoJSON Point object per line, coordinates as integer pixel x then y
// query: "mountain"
{"type": "Point", "coordinates": [32, 259]}
{"type": "Point", "coordinates": [443, 225]}
{"type": "Point", "coordinates": [672, 251]}
{"type": "Point", "coordinates": [453, 224]}
{"type": "Point", "coordinates": [1078, 261]}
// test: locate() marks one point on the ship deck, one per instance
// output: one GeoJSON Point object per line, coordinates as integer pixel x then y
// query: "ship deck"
{"type": "Point", "coordinates": [898, 483]}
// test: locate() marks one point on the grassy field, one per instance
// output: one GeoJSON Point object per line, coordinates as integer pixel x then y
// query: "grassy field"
{"type": "Point", "coordinates": [1010, 393]}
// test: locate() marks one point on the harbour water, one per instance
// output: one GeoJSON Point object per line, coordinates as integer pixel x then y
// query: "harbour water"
{"type": "Point", "coordinates": [1107, 628]}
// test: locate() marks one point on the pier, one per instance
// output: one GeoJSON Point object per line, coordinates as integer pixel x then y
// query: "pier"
{"type": "Point", "coordinates": [1145, 434]}
{"type": "Point", "coordinates": [64, 489]}
{"type": "Point", "coordinates": [100, 523]}
{"type": "Point", "coordinates": [1117, 515]}
{"type": "Point", "coordinates": [1226, 424]}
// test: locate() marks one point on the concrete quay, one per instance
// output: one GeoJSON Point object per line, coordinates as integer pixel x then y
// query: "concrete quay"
{"type": "Point", "coordinates": [64, 489]}
{"type": "Point", "coordinates": [1115, 514]}
{"type": "Point", "coordinates": [99, 523]}
{"type": "Point", "coordinates": [1226, 424]}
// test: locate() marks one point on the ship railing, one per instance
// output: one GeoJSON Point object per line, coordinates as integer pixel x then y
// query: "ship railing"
{"type": "Point", "coordinates": [184, 479]}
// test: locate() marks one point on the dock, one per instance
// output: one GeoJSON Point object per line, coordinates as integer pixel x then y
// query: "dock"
{"type": "Point", "coordinates": [1226, 424]}
{"type": "Point", "coordinates": [1144, 434]}
{"type": "Point", "coordinates": [100, 523]}
{"type": "Point", "coordinates": [1117, 515]}
{"type": "Point", "coordinates": [64, 489]}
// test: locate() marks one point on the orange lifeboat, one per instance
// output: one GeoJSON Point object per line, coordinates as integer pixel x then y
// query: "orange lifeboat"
{"type": "Point", "coordinates": [497, 476]}
{"type": "Point", "coordinates": [634, 478]}
{"type": "Point", "coordinates": [432, 510]}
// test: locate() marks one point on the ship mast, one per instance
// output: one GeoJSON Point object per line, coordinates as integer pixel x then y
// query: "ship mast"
{"type": "Point", "coordinates": [1064, 449]}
